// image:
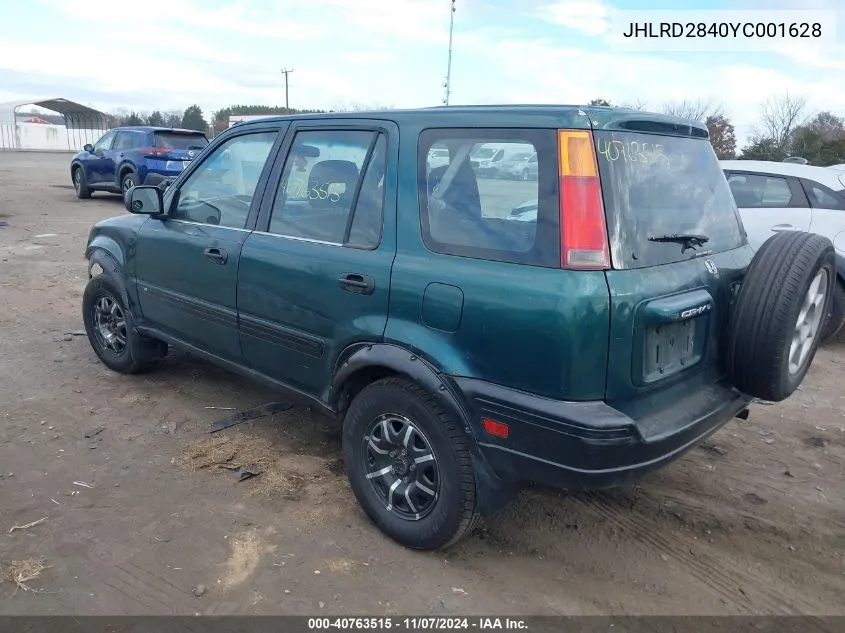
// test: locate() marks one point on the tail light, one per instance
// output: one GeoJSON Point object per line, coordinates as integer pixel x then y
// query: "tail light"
{"type": "Point", "coordinates": [153, 152]}
{"type": "Point", "coordinates": [583, 232]}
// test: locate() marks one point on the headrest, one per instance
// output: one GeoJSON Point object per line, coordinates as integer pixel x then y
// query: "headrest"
{"type": "Point", "coordinates": [334, 172]}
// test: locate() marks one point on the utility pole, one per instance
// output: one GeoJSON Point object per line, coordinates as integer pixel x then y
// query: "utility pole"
{"type": "Point", "coordinates": [286, 72]}
{"type": "Point", "coordinates": [448, 84]}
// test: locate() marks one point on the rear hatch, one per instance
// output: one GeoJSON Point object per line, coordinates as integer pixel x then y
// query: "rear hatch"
{"type": "Point", "coordinates": [177, 146]}
{"type": "Point", "coordinates": [677, 253]}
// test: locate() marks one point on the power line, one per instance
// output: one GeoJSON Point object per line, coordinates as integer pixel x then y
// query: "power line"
{"type": "Point", "coordinates": [286, 72]}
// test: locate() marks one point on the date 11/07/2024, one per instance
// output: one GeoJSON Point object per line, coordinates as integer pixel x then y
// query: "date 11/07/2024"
{"type": "Point", "coordinates": [422, 623]}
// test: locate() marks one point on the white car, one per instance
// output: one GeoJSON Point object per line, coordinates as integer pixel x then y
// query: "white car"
{"type": "Point", "coordinates": [773, 197]}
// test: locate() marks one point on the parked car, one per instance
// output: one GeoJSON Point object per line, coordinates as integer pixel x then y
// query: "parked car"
{"type": "Point", "coordinates": [438, 156]}
{"type": "Point", "coordinates": [128, 156]}
{"type": "Point", "coordinates": [522, 166]}
{"type": "Point", "coordinates": [775, 197]}
{"type": "Point", "coordinates": [466, 353]}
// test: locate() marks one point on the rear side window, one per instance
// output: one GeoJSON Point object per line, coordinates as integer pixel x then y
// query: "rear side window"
{"type": "Point", "coordinates": [468, 211]}
{"type": "Point", "coordinates": [823, 198]}
{"type": "Point", "coordinates": [180, 140]}
{"type": "Point", "coordinates": [752, 191]}
{"type": "Point", "coordinates": [655, 187]}
{"type": "Point", "coordinates": [126, 140]}
{"type": "Point", "coordinates": [332, 188]}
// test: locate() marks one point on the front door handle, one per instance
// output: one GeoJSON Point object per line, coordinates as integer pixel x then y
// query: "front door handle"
{"type": "Point", "coordinates": [777, 228]}
{"type": "Point", "coordinates": [357, 283]}
{"type": "Point", "coordinates": [216, 255]}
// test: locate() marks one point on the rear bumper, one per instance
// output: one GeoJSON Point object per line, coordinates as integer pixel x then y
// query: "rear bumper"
{"type": "Point", "coordinates": [587, 445]}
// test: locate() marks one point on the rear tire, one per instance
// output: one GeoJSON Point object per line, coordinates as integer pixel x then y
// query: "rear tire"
{"type": "Point", "coordinates": [127, 181]}
{"type": "Point", "coordinates": [777, 321]}
{"type": "Point", "coordinates": [80, 184]}
{"type": "Point", "coordinates": [432, 462]}
{"type": "Point", "coordinates": [836, 320]}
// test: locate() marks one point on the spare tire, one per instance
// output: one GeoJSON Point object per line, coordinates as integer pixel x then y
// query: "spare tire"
{"type": "Point", "coordinates": [777, 321]}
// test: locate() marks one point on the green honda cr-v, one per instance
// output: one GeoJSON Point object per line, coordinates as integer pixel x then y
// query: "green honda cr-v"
{"type": "Point", "coordinates": [576, 329]}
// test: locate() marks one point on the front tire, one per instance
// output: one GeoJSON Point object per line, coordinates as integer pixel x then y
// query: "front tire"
{"type": "Point", "coordinates": [80, 184]}
{"type": "Point", "coordinates": [111, 329]}
{"type": "Point", "coordinates": [409, 465]}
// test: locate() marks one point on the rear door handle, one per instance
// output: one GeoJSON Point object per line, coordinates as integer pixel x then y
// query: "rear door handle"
{"type": "Point", "coordinates": [216, 255]}
{"type": "Point", "coordinates": [357, 283]}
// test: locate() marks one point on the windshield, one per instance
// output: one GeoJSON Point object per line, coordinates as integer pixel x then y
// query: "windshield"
{"type": "Point", "coordinates": [657, 186]}
{"type": "Point", "coordinates": [178, 140]}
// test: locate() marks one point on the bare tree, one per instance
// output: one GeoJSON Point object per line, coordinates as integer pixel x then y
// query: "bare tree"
{"type": "Point", "coordinates": [695, 109]}
{"type": "Point", "coordinates": [636, 104]}
{"type": "Point", "coordinates": [780, 115]}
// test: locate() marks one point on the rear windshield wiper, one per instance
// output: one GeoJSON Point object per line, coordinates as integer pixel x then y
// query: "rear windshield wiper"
{"type": "Point", "coordinates": [687, 240]}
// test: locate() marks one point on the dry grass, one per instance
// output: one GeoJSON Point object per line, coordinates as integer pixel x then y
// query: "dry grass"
{"type": "Point", "coordinates": [21, 572]}
{"type": "Point", "coordinates": [238, 449]}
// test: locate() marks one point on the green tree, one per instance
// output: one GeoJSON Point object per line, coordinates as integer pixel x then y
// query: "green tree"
{"type": "Point", "coordinates": [172, 119]}
{"type": "Point", "coordinates": [193, 119]}
{"type": "Point", "coordinates": [600, 102]}
{"type": "Point", "coordinates": [220, 119]}
{"type": "Point", "coordinates": [722, 136]}
{"type": "Point", "coordinates": [156, 119]}
{"type": "Point", "coordinates": [133, 119]}
{"type": "Point", "coordinates": [763, 148]}
{"type": "Point", "coordinates": [820, 140]}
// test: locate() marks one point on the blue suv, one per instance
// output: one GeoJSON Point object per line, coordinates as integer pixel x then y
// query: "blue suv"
{"type": "Point", "coordinates": [128, 156]}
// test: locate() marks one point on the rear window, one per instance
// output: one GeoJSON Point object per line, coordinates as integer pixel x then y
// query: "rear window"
{"type": "Point", "coordinates": [180, 140]}
{"type": "Point", "coordinates": [469, 213]}
{"type": "Point", "coordinates": [656, 186]}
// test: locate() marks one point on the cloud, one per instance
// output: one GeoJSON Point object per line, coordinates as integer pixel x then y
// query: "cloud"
{"type": "Point", "coordinates": [381, 52]}
{"type": "Point", "coordinates": [588, 16]}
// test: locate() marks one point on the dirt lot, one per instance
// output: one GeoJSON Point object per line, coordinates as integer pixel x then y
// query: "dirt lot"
{"type": "Point", "coordinates": [752, 522]}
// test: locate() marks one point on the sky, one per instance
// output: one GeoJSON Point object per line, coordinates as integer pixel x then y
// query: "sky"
{"type": "Point", "coordinates": [391, 53]}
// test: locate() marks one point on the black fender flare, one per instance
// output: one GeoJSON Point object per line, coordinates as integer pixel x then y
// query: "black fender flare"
{"type": "Point", "coordinates": [122, 169]}
{"type": "Point", "coordinates": [112, 268]}
{"type": "Point", "coordinates": [840, 267]}
{"type": "Point", "coordinates": [73, 165]}
{"type": "Point", "coordinates": [493, 492]}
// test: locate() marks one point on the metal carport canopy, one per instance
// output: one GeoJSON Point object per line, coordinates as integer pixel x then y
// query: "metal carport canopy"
{"type": "Point", "coordinates": [76, 116]}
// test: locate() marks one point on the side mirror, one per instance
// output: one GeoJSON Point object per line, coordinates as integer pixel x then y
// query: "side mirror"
{"type": "Point", "coordinates": [88, 148]}
{"type": "Point", "coordinates": [144, 200]}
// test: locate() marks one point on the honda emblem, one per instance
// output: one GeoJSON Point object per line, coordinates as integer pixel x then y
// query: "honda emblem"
{"type": "Point", "coordinates": [711, 267]}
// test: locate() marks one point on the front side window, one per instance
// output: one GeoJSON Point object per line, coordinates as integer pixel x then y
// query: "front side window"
{"type": "Point", "coordinates": [332, 188]}
{"type": "Point", "coordinates": [220, 190]}
{"type": "Point", "coordinates": [467, 211]}
{"type": "Point", "coordinates": [105, 142]}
